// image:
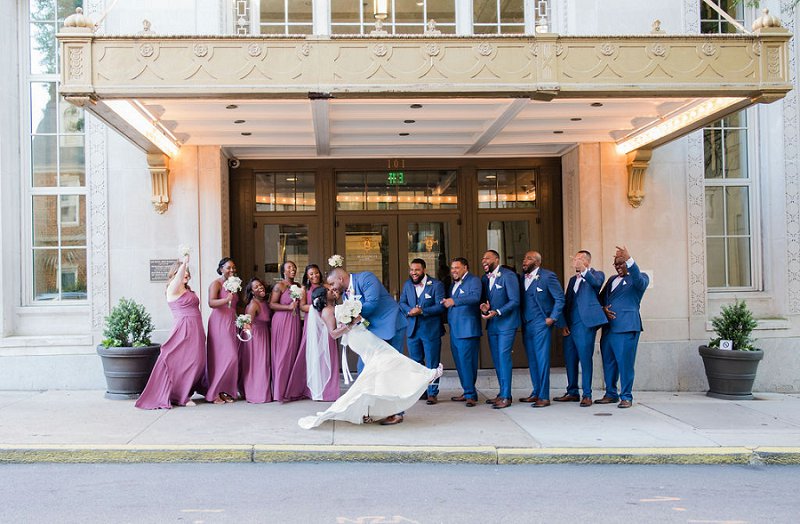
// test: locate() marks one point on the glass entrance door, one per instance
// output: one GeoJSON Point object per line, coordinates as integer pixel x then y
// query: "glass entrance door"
{"type": "Point", "coordinates": [277, 242]}
{"type": "Point", "coordinates": [385, 245]}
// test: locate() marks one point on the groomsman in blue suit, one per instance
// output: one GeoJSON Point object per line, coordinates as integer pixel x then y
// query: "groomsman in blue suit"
{"type": "Point", "coordinates": [421, 301]}
{"type": "Point", "coordinates": [464, 319]}
{"type": "Point", "coordinates": [386, 320]}
{"type": "Point", "coordinates": [542, 302]}
{"type": "Point", "coordinates": [582, 316]}
{"type": "Point", "coordinates": [500, 309]}
{"type": "Point", "coordinates": [621, 299]}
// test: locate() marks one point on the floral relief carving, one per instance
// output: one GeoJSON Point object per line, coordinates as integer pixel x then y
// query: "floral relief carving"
{"type": "Point", "coordinates": [534, 49]}
{"type": "Point", "coordinates": [305, 49]}
{"type": "Point", "coordinates": [608, 49]}
{"type": "Point", "coordinates": [432, 49]}
{"type": "Point", "coordinates": [559, 49]}
{"type": "Point", "coordinates": [380, 50]}
{"type": "Point", "coordinates": [757, 48]}
{"type": "Point", "coordinates": [75, 63]}
{"type": "Point", "coordinates": [146, 50]}
{"type": "Point", "coordinates": [709, 49]}
{"type": "Point", "coordinates": [254, 50]}
{"type": "Point", "coordinates": [773, 61]}
{"type": "Point", "coordinates": [200, 50]}
{"type": "Point", "coordinates": [485, 49]}
{"type": "Point", "coordinates": [658, 49]}
{"type": "Point", "coordinates": [97, 202]}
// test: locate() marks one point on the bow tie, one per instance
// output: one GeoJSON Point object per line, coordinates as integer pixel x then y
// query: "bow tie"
{"type": "Point", "coordinates": [529, 276]}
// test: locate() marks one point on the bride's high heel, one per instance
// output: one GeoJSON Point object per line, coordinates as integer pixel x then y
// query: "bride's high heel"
{"type": "Point", "coordinates": [438, 372]}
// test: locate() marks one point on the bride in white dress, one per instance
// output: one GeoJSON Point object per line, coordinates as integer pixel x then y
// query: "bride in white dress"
{"type": "Point", "coordinates": [389, 383]}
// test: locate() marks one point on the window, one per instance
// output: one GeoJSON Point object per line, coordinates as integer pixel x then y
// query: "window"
{"type": "Point", "coordinates": [712, 22]}
{"type": "Point", "coordinates": [729, 185]}
{"type": "Point", "coordinates": [498, 16]}
{"type": "Point", "coordinates": [285, 191]}
{"type": "Point", "coordinates": [285, 17]}
{"type": "Point", "coordinates": [506, 188]}
{"type": "Point", "coordinates": [403, 16]}
{"type": "Point", "coordinates": [357, 191]}
{"type": "Point", "coordinates": [57, 176]}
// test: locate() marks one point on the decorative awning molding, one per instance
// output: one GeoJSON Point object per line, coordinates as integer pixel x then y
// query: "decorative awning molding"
{"type": "Point", "coordinates": [96, 69]}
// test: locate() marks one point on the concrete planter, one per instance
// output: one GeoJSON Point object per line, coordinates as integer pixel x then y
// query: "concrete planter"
{"type": "Point", "coordinates": [127, 369]}
{"type": "Point", "coordinates": [730, 373]}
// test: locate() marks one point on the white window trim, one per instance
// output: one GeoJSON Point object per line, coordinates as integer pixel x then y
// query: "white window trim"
{"type": "Point", "coordinates": [27, 191]}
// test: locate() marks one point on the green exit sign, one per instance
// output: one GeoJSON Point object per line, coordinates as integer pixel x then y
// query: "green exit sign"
{"type": "Point", "coordinates": [395, 178]}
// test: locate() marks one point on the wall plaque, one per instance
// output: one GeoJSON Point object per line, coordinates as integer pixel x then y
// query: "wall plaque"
{"type": "Point", "coordinates": [159, 269]}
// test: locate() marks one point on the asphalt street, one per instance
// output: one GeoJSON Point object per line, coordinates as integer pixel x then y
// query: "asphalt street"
{"type": "Point", "coordinates": [346, 493]}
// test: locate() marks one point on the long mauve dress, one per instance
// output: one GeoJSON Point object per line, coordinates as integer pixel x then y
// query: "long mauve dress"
{"type": "Point", "coordinates": [182, 362]}
{"type": "Point", "coordinates": [298, 386]}
{"type": "Point", "coordinates": [254, 359]}
{"type": "Point", "coordinates": [222, 372]}
{"type": "Point", "coordinates": [285, 345]}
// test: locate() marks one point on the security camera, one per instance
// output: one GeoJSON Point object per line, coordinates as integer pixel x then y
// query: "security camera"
{"type": "Point", "coordinates": [233, 163]}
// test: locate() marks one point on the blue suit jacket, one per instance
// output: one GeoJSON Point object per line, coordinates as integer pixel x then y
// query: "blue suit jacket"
{"type": "Point", "coordinates": [625, 300]}
{"type": "Point", "coordinates": [587, 301]}
{"type": "Point", "coordinates": [464, 316]}
{"type": "Point", "coordinates": [543, 299]}
{"type": "Point", "coordinates": [378, 306]}
{"type": "Point", "coordinates": [504, 297]}
{"type": "Point", "coordinates": [429, 325]}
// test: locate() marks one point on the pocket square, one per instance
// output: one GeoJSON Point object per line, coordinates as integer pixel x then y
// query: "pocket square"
{"type": "Point", "coordinates": [460, 291]}
{"type": "Point", "coordinates": [624, 283]}
{"type": "Point", "coordinates": [427, 295]}
{"type": "Point", "coordinates": [498, 286]}
{"type": "Point", "coordinates": [539, 289]}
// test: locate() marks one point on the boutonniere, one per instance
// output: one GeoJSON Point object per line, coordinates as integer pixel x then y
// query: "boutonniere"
{"type": "Point", "coordinates": [429, 283]}
{"type": "Point", "coordinates": [536, 276]}
{"type": "Point", "coordinates": [498, 274]}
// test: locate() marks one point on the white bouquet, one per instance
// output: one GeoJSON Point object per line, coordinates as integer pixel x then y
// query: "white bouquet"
{"type": "Point", "coordinates": [347, 311]}
{"type": "Point", "coordinates": [243, 324]}
{"type": "Point", "coordinates": [233, 284]}
{"type": "Point", "coordinates": [184, 250]}
{"type": "Point", "coordinates": [336, 261]}
{"type": "Point", "coordinates": [296, 292]}
{"type": "Point", "coordinates": [243, 320]}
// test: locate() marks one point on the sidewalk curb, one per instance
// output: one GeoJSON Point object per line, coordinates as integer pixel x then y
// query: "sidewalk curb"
{"type": "Point", "coordinates": [92, 454]}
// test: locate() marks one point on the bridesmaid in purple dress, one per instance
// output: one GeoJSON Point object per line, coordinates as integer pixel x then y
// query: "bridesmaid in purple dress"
{"type": "Point", "coordinates": [285, 331]}
{"type": "Point", "coordinates": [180, 366]}
{"type": "Point", "coordinates": [222, 373]}
{"type": "Point", "coordinates": [255, 355]}
{"type": "Point", "coordinates": [300, 386]}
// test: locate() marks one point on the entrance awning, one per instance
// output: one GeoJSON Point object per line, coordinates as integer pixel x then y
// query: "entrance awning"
{"type": "Point", "coordinates": [304, 97]}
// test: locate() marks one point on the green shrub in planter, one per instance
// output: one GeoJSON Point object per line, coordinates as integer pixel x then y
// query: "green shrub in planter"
{"type": "Point", "coordinates": [128, 325]}
{"type": "Point", "coordinates": [735, 323]}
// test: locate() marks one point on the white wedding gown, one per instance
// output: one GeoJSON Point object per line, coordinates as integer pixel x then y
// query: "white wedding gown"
{"type": "Point", "coordinates": [389, 383]}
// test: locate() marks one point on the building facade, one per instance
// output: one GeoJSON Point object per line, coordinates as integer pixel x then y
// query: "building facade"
{"type": "Point", "coordinates": [275, 130]}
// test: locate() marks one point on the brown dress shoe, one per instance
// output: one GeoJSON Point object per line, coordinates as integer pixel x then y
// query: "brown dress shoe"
{"type": "Point", "coordinates": [492, 400]}
{"type": "Point", "coordinates": [586, 402]}
{"type": "Point", "coordinates": [471, 402]}
{"type": "Point", "coordinates": [624, 404]}
{"type": "Point", "coordinates": [502, 403]}
{"type": "Point", "coordinates": [390, 421]}
{"type": "Point", "coordinates": [567, 398]}
{"type": "Point", "coordinates": [432, 400]}
{"type": "Point", "coordinates": [541, 403]}
{"type": "Point", "coordinates": [606, 400]}
{"type": "Point", "coordinates": [529, 400]}
{"type": "Point", "coordinates": [461, 398]}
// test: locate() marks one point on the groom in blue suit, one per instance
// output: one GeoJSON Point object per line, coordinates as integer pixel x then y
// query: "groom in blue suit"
{"type": "Point", "coordinates": [464, 318]}
{"type": "Point", "coordinates": [421, 302]}
{"type": "Point", "coordinates": [500, 309]}
{"type": "Point", "coordinates": [542, 302]}
{"type": "Point", "coordinates": [583, 315]}
{"type": "Point", "coordinates": [386, 320]}
{"type": "Point", "coordinates": [621, 298]}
